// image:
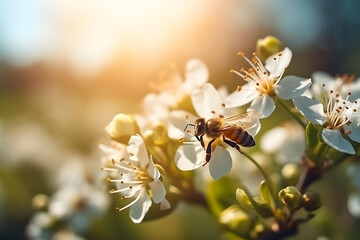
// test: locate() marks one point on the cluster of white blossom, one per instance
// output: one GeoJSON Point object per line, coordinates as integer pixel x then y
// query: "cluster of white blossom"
{"type": "Point", "coordinates": [192, 125]}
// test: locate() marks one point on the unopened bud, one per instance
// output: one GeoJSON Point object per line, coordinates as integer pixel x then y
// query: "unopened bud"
{"type": "Point", "coordinates": [253, 204]}
{"type": "Point", "coordinates": [236, 219]}
{"type": "Point", "coordinates": [122, 127]}
{"type": "Point", "coordinates": [243, 199]}
{"type": "Point", "coordinates": [291, 197]}
{"type": "Point", "coordinates": [312, 201]}
{"type": "Point", "coordinates": [267, 47]}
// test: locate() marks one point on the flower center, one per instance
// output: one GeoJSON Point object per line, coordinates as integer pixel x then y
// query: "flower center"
{"type": "Point", "coordinates": [259, 76]}
{"type": "Point", "coordinates": [338, 110]}
{"type": "Point", "coordinates": [129, 175]}
{"type": "Point", "coordinates": [266, 87]}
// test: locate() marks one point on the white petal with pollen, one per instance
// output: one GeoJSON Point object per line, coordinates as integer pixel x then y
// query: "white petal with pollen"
{"type": "Point", "coordinates": [239, 98]}
{"type": "Point", "coordinates": [277, 67]}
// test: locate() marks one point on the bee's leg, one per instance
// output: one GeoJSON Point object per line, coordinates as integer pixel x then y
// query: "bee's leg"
{"type": "Point", "coordinates": [201, 140]}
{"type": "Point", "coordinates": [208, 152]}
{"type": "Point", "coordinates": [232, 144]}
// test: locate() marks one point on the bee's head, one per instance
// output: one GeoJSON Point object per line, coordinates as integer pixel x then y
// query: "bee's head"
{"type": "Point", "coordinates": [199, 127]}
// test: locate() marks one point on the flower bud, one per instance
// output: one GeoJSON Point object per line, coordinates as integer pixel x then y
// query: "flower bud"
{"type": "Point", "coordinates": [291, 197]}
{"type": "Point", "coordinates": [236, 219]}
{"type": "Point", "coordinates": [249, 203]}
{"type": "Point", "coordinates": [122, 127]}
{"type": "Point", "coordinates": [160, 134]}
{"type": "Point", "coordinates": [311, 201]}
{"type": "Point", "coordinates": [267, 46]}
{"type": "Point", "coordinates": [290, 173]}
{"type": "Point", "coordinates": [243, 199]}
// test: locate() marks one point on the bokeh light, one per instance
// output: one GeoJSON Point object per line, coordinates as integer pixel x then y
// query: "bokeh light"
{"type": "Point", "coordinates": [68, 66]}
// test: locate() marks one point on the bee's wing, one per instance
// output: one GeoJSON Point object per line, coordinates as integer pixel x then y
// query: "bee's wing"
{"type": "Point", "coordinates": [244, 120]}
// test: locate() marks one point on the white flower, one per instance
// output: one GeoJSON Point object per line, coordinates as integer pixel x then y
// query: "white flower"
{"type": "Point", "coordinates": [339, 117]}
{"type": "Point", "coordinates": [78, 200]}
{"type": "Point", "coordinates": [135, 174]}
{"type": "Point", "coordinates": [174, 93]}
{"type": "Point", "coordinates": [340, 84]}
{"type": "Point", "coordinates": [266, 82]}
{"type": "Point", "coordinates": [289, 145]}
{"type": "Point", "coordinates": [191, 155]}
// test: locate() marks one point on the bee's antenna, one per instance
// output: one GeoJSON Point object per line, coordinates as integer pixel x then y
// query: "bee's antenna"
{"type": "Point", "coordinates": [189, 124]}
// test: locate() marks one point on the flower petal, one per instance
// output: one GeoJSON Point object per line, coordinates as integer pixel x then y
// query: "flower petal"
{"type": "Point", "coordinates": [292, 86]}
{"type": "Point", "coordinates": [189, 157]}
{"type": "Point", "coordinates": [312, 109]}
{"type": "Point", "coordinates": [354, 131]}
{"type": "Point", "coordinates": [153, 171]}
{"type": "Point", "coordinates": [239, 98]}
{"type": "Point", "coordinates": [335, 139]}
{"type": "Point", "coordinates": [158, 191]}
{"type": "Point", "coordinates": [264, 104]}
{"type": "Point", "coordinates": [206, 100]}
{"type": "Point", "coordinates": [138, 151]}
{"type": "Point", "coordinates": [278, 66]}
{"type": "Point", "coordinates": [320, 78]}
{"type": "Point", "coordinates": [164, 205]}
{"type": "Point", "coordinates": [140, 207]}
{"type": "Point", "coordinates": [220, 163]}
{"type": "Point", "coordinates": [197, 74]}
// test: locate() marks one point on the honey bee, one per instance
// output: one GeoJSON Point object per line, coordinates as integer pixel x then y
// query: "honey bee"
{"type": "Point", "coordinates": [232, 130]}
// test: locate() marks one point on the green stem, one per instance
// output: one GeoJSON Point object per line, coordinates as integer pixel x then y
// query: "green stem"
{"type": "Point", "coordinates": [286, 108]}
{"type": "Point", "coordinates": [324, 148]}
{"type": "Point", "coordinates": [266, 177]}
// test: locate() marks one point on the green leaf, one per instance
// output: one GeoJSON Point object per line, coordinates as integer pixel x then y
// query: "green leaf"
{"type": "Point", "coordinates": [311, 134]}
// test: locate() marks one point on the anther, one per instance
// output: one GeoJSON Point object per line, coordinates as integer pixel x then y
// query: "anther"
{"type": "Point", "coordinates": [111, 191]}
{"type": "Point", "coordinates": [241, 54]}
{"type": "Point", "coordinates": [347, 132]}
{"type": "Point", "coordinates": [223, 104]}
{"type": "Point", "coordinates": [238, 88]}
{"type": "Point", "coordinates": [213, 112]}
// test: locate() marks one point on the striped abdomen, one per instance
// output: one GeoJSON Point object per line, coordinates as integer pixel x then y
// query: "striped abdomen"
{"type": "Point", "coordinates": [240, 136]}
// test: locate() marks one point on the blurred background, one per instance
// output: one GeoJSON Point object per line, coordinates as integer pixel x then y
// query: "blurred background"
{"type": "Point", "coordinates": [68, 66]}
